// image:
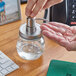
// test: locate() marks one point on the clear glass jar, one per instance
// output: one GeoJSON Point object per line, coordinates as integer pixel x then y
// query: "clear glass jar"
{"type": "Point", "coordinates": [30, 45]}
{"type": "Point", "coordinates": [30, 49]}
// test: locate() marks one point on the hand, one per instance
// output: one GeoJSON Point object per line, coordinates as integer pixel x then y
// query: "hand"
{"type": "Point", "coordinates": [61, 33]}
{"type": "Point", "coordinates": [34, 6]}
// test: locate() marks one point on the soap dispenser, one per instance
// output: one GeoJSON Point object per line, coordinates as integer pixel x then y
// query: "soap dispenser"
{"type": "Point", "coordinates": [30, 44]}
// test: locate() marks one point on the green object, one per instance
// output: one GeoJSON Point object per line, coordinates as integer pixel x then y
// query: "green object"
{"type": "Point", "coordinates": [61, 68]}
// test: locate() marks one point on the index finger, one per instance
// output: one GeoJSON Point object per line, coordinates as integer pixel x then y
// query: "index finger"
{"type": "Point", "coordinates": [56, 29]}
{"type": "Point", "coordinates": [57, 24]}
{"type": "Point", "coordinates": [38, 7]}
{"type": "Point", "coordinates": [29, 7]}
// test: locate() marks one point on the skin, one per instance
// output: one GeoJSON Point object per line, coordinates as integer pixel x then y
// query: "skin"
{"type": "Point", "coordinates": [34, 6]}
{"type": "Point", "coordinates": [63, 34]}
{"type": "Point", "coordinates": [0, 0]}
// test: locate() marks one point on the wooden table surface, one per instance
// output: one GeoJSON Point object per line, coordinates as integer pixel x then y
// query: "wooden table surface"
{"type": "Point", "coordinates": [8, 39]}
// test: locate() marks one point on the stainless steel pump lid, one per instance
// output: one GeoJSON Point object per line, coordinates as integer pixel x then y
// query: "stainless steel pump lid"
{"type": "Point", "coordinates": [30, 36]}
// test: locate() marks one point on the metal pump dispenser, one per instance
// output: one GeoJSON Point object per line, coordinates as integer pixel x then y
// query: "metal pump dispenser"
{"type": "Point", "coordinates": [31, 30]}
{"type": "Point", "coordinates": [31, 43]}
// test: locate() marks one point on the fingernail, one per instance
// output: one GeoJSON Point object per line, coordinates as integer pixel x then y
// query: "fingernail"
{"type": "Point", "coordinates": [32, 15]}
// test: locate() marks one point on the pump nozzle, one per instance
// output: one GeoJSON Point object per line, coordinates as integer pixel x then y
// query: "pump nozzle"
{"type": "Point", "coordinates": [30, 28]}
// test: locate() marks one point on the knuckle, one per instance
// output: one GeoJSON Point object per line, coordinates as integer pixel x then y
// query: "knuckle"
{"type": "Point", "coordinates": [28, 9]}
{"type": "Point", "coordinates": [69, 48]}
{"type": "Point", "coordinates": [37, 9]}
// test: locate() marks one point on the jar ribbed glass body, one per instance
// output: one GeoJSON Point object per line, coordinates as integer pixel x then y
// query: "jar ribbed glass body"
{"type": "Point", "coordinates": [30, 49]}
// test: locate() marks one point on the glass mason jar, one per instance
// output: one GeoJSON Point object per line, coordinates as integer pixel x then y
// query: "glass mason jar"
{"type": "Point", "coordinates": [30, 49]}
{"type": "Point", "coordinates": [30, 45]}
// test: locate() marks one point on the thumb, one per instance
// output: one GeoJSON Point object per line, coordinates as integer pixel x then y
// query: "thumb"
{"type": "Point", "coordinates": [50, 3]}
